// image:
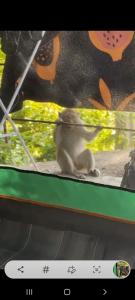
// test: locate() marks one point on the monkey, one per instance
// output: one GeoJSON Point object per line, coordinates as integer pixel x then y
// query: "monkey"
{"type": "Point", "coordinates": [71, 154]}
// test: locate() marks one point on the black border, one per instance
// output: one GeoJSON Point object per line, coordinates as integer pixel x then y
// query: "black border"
{"type": "Point", "coordinates": [54, 288]}
{"type": "Point", "coordinates": [94, 15]}
{"type": "Point", "coordinates": [23, 18]}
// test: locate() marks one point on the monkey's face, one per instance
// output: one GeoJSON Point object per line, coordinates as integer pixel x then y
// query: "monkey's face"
{"type": "Point", "coordinates": [69, 116]}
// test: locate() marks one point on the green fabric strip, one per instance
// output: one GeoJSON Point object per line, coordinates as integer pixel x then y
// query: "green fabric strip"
{"type": "Point", "coordinates": [91, 198]}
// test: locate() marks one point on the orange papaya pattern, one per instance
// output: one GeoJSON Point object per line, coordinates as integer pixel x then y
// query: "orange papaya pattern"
{"type": "Point", "coordinates": [111, 42]}
{"type": "Point", "coordinates": [48, 72]}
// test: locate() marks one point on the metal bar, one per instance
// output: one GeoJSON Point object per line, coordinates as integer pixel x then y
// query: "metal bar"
{"type": "Point", "coordinates": [72, 124]}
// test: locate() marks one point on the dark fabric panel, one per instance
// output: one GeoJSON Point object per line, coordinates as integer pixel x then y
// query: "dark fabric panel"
{"type": "Point", "coordinates": [67, 220]}
{"type": "Point", "coordinates": [78, 246]}
{"type": "Point", "coordinates": [42, 243]}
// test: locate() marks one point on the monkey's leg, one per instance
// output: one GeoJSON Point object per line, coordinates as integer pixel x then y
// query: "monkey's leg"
{"type": "Point", "coordinates": [86, 160]}
{"type": "Point", "coordinates": [66, 164]}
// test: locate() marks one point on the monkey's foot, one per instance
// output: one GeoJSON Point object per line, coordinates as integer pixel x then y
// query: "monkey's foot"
{"type": "Point", "coordinates": [79, 175]}
{"type": "Point", "coordinates": [75, 174]}
{"type": "Point", "coordinates": [94, 173]}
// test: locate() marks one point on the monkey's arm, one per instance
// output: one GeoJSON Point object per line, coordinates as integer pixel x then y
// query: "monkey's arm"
{"type": "Point", "coordinates": [88, 136]}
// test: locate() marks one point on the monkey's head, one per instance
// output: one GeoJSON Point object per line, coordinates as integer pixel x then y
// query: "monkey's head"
{"type": "Point", "coordinates": [69, 116]}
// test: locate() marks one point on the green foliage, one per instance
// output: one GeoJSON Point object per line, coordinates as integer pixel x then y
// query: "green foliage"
{"type": "Point", "coordinates": [2, 59]}
{"type": "Point", "coordinates": [38, 136]}
{"type": "Point", "coordinates": [106, 138]}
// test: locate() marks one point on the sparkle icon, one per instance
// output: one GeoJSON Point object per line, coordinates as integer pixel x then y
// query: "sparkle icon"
{"type": "Point", "coordinates": [71, 270]}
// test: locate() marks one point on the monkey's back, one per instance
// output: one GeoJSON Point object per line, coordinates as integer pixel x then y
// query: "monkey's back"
{"type": "Point", "coordinates": [69, 139]}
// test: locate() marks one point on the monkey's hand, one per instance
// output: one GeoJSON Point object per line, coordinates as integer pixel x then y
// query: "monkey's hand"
{"type": "Point", "coordinates": [88, 135]}
{"type": "Point", "coordinates": [58, 122]}
{"type": "Point", "coordinates": [99, 128]}
{"type": "Point", "coordinates": [95, 173]}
